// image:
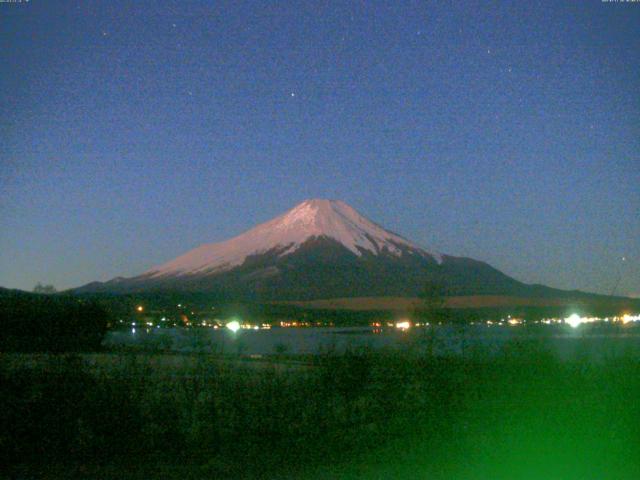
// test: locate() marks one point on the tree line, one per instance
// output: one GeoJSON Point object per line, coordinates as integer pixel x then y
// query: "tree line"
{"type": "Point", "coordinates": [50, 323]}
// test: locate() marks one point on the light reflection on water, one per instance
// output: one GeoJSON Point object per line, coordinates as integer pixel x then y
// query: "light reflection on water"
{"type": "Point", "coordinates": [445, 340]}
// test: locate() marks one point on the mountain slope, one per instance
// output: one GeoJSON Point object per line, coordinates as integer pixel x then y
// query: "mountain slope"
{"type": "Point", "coordinates": [318, 249]}
{"type": "Point", "coordinates": [286, 234]}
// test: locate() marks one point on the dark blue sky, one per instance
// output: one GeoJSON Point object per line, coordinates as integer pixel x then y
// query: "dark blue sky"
{"type": "Point", "coordinates": [131, 131]}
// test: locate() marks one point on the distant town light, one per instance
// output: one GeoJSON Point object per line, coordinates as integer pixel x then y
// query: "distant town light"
{"type": "Point", "coordinates": [234, 326]}
{"type": "Point", "coordinates": [403, 325]}
{"type": "Point", "coordinates": [574, 320]}
{"type": "Point", "coordinates": [626, 318]}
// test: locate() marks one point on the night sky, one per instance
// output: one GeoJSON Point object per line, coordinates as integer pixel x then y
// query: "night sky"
{"type": "Point", "coordinates": [132, 131]}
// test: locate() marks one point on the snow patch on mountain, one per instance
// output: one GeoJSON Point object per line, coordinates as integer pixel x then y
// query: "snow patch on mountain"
{"type": "Point", "coordinates": [286, 233]}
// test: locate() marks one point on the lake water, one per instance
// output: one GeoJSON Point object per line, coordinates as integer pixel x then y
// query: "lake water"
{"type": "Point", "coordinates": [563, 341]}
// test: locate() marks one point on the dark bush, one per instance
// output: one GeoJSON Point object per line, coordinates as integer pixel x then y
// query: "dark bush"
{"type": "Point", "coordinates": [49, 323]}
{"type": "Point", "coordinates": [40, 408]}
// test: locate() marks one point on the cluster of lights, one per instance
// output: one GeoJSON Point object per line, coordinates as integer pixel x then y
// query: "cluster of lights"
{"type": "Point", "coordinates": [235, 325]}
{"type": "Point", "coordinates": [576, 320]}
{"type": "Point", "coordinates": [573, 320]}
{"type": "Point", "coordinates": [403, 325]}
{"type": "Point", "coordinates": [296, 323]}
{"type": "Point", "coordinates": [514, 321]}
{"type": "Point", "coordinates": [288, 324]}
{"type": "Point", "coordinates": [549, 321]}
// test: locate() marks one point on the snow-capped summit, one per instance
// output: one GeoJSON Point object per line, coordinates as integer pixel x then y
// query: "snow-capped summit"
{"type": "Point", "coordinates": [316, 218]}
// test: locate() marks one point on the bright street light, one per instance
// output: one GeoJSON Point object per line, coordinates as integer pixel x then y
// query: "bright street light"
{"type": "Point", "coordinates": [234, 326]}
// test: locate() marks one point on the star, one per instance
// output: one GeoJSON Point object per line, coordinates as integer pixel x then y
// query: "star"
{"type": "Point", "coordinates": [173, 25]}
{"type": "Point", "coordinates": [293, 94]}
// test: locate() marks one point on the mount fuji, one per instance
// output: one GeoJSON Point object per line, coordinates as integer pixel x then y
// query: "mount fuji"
{"type": "Point", "coordinates": [318, 249]}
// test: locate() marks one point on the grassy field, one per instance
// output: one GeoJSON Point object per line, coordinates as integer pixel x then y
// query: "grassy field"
{"type": "Point", "coordinates": [363, 414]}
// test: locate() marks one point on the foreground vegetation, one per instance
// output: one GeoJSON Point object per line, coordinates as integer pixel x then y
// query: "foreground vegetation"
{"type": "Point", "coordinates": [361, 414]}
{"type": "Point", "coordinates": [50, 323]}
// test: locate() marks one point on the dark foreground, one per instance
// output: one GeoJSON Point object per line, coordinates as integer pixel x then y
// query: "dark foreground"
{"type": "Point", "coordinates": [519, 415]}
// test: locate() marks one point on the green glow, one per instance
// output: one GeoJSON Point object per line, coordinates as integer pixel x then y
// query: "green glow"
{"type": "Point", "coordinates": [234, 326]}
{"type": "Point", "coordinates": [573, 320]}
